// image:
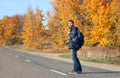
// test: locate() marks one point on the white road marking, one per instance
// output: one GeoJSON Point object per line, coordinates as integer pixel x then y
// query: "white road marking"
{"type": "Point", "coordinates": [58, 72]}
{"type": "Point", "coordinates": [16, 56]}
{"type": "Point", "coordinates": [27, 60]}
{"type": "Point", "coordinates": [10, 53]}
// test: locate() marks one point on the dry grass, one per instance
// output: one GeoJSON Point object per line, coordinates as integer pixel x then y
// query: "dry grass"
{"type": "Point", "coordinates": [100, 52]}
{"type": "Point", "coordinates": [55, 50]}
{"type": "Point", "coordinates": [95, 54]}
{"type": "Point", "coordinates": [86, 51]}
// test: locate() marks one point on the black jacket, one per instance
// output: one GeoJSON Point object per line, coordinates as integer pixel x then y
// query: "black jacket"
{"type": "Point", "coordinates": [72, 34]}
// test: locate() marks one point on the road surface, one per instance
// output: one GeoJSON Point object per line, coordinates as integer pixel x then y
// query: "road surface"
{"type": "Point", "coordinates": [15, 64]}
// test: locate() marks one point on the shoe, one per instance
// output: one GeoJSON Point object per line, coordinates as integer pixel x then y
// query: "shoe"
{"type": "Point", "coordinates": [74, 72]}
{"type": "Point", "coordinates": [79, 72]}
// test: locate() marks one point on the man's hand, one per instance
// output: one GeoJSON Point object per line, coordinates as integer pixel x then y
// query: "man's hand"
{"type": "Point", "coordinates": [68, 33]}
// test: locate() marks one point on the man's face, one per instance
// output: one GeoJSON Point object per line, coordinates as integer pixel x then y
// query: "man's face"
{"type": "Point", "coordinates": [70, 24]}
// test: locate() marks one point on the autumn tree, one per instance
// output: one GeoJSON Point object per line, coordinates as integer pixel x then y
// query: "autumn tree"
{"type": "Point", "coordinates": [11, 30]}
{"type": "Point", "coordinates": [3, 27]}
{"type": "Point", "coordinates": [102, 15]}
{"type": "Point", "coordinates": [33, 29]}
{"type": "Point", "coordinates": [1, 32]}
{"type": "Point", "coordinates": [63, 11]}
{"type": "Point", "coordinates": [39, 32]}
{"type": "Point", "coordinates": [114, 35]}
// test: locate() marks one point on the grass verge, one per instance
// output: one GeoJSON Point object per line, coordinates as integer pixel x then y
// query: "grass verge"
{"type": "Point", "coordinates": [115, 61]}
{"type": "Point", "coordinates": [65, 54]}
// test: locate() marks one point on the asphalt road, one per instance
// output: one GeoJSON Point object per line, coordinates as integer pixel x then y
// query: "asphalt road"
{"type": "Point", "coordinates": [15, 64]}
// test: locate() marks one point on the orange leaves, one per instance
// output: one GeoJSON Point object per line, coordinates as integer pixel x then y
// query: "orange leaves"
{"type": "Point", "coordinates": [98, 15]}
{"type": "Point", "coordinates": [64, 10]}
{"type": "Point", "coordinates": [99, 20]}
{"type": "Point", "coordinates": [11, 29]}
{"type": "Point", "coordinates": [30, 30]}
{"type": "Point", "coordinates": [33, 29]}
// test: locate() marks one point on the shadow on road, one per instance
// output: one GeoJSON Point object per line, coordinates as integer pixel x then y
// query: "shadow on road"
{"type": "Point", "coordinates": [109, 72]}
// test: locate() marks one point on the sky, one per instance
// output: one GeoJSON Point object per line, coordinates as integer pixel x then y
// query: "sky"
{"type": "Point", "coordinates": [13, 7]}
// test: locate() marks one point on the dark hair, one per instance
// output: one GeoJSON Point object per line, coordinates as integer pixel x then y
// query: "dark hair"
{"type": "Point", "coordinates": [71, 21]}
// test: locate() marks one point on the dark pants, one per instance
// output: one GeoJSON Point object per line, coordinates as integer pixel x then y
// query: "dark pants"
{"type": "Point", "coordinates": [76, 64]}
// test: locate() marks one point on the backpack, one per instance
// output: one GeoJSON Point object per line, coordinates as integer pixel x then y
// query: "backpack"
{"type": "Point", "coordinates": [78, 40]}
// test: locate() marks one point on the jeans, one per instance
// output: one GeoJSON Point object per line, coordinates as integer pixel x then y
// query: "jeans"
{"type": "Point", "coordinates": [76, 63]}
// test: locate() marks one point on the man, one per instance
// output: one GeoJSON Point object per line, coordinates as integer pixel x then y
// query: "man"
{"type": "Point", "coordinates": [77, 69]}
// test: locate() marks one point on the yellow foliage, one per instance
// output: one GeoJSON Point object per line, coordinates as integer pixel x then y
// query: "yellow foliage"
{"type": "Point", "coordinates": [64, 11]}
{"type": "Point", "coordinates": [33, 29]}
{"type": "Point", "coordinates": [100, 13]}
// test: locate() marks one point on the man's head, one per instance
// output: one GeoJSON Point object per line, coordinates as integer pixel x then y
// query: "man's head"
{"type": "Point", "coordinates": [70, 23]}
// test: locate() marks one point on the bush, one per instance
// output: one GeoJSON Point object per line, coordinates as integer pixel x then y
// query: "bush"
{"type": "Point", "coordinates": [13, 41]}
